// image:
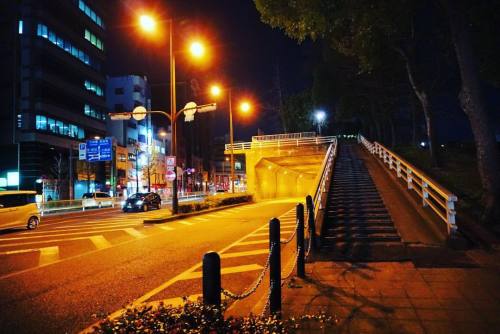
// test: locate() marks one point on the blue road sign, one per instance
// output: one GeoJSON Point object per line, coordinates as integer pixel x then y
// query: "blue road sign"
{"type": "Point", "coordinates": [99, 149]}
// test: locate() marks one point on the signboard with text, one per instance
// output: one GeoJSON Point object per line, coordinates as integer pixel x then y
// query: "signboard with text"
{"type": "Point", "coordinates": [171, 163]}
{"type": "Point", "coordinates": [82, 151]}
{"type": "Point", "coordinates": [99, 149]}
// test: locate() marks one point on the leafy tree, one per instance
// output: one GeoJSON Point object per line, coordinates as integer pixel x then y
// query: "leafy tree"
{"type": "Point", "coordinates": [297, 110]}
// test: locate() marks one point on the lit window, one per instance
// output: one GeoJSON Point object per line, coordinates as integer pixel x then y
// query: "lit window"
{"type": "Point", "coordinates": [20, 28]}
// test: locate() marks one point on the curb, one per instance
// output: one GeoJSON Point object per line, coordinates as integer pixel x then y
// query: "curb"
{"type": "Point", "coordinates": [191, 214]}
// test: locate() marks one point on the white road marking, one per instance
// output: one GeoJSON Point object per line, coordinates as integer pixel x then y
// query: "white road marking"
{"type": "Point", "coordinates": [133, 232]}
{"type": "Point", "coordinates": [48, 255]}
{"type": "Point", "coordinates": [264, 234]}
{"type": "Point", "coordinates": [20, 251]}
{"type": "Point", "coordinates": [100, 242]}
{"type": "Point", "coordinates": [185, 222]}
{"type": "Point", "coordinates": [90, 227]}
{"type": "Point", "coordinates": [247, 253]}
{"type": "Point", "coordinates": [166, 228]}
{"type": "Point", "coordinates": [201, 219]}
{"type": "Point", "coordinates": [28, 237]}
{"type": "Point", "coordinates": [224, 271]}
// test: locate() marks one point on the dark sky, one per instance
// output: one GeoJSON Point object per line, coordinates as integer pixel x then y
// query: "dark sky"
{"type": "Point", "coordinates": [244, 54]}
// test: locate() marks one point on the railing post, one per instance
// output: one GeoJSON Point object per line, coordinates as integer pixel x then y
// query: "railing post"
{"type": "Point", "coordinates": [274, 266]}
{"type": "Point", "coordinates": [425, 193]}
{"type": "Point", "coordinates": [310, 220]}
{"type": "Point", "coordinates": [409, 177]}
{"type": "Point", "coordinates": [301, 266]}
{"type": "Point", "coordinates": [390, 162]}
{"type": "Point", "coordinates": [398, 168]}
{"type": "Point", "coordinates": [211, 279]}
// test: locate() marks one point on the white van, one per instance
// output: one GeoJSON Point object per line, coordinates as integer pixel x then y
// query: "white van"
{"type": "Point", "coordinates": [98, 199]}
{"type": "Point", "coordinates": [18, 208]}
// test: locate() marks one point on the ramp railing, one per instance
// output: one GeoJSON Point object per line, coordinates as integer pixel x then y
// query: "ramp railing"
{"type": "Point", "coordinates": [433, 195]}
{"type": "Point", "coordinates": [278, 143]}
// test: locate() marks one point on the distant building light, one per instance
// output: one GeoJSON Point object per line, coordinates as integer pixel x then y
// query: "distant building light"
{"type": "Point", "coordinates": [12, 179]}
{"type": "Point", "coordinates": [3, 182]}
{"type": "Point", "coordinates": [422, 144]}
{"type": "Point", "coordinates": [20, 27]}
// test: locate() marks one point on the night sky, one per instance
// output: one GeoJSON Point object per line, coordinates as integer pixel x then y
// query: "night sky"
{"type": "Point", "coordinates": [244, 53]}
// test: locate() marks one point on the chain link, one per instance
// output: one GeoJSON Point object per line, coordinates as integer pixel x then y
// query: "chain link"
{"type": "Point", "coordinates": [266, 306]}
{"type": "Point", "coordinates": [247, 293]}
{"type": "Point", "coordinates": [287, 276]}
{"type": "Point", "coordinates": [292, 236]}
{"type": "Point", "coordinates": [309, 246]}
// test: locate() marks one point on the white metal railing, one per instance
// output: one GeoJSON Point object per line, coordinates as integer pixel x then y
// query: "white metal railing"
{"type": "Point", "coordinates": [323, 178]}
{"type": "Point", "coordinates": [282, 136]}
{"type": "Point", "coordinates": [281, 143]}
{"type": "Point", "coordinates": [433, 195]}
{"type": "Point", "coordinates": [76, 204]}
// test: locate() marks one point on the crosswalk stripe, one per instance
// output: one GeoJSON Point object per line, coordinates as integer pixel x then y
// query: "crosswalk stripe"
{"type": "Point", "coordinates": [43, 242]}
{"type": "Point", "coordinates": [166, 228]}
{"type": "Point", "coordinates": [265, 233]}
{"type": "Point", "coordinates": [100, 242]}
{"type": "Point", "coordinates": [255, 242]}
{"type": "Point", "coordinates": [201, 219]}
{"type": "Point", "coordinates": [28, 237]}
{"type": "Point", "coordinates": [48, 255]}
{"type": "Point", "coordinates": [224, 271]}
{"type": "Point", "coordinates": [133, 232]}
{"type": "Point", "coordinates": [247, 253]}
{"type": "Point", "coordinates": [20, 251]}
{"type": "Point", "coordinates": [185, 222]}
{"type": "Point", "coordinates": [90, 227]}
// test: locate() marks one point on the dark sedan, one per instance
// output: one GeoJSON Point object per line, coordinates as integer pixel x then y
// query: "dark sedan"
{"type": "Point", "coordinates": [142, 202]}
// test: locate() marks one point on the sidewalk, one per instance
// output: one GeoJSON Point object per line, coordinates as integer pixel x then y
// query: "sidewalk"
{"type": "Point", "coordinates": [402, 297]}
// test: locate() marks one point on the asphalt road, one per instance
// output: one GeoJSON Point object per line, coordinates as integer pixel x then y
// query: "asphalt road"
{"type": "Point", "coordinates": [78, 267]}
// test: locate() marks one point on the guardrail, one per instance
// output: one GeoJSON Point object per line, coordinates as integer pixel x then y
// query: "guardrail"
{"type": "Point", "coordinates": [76, 205]}
{"type": "Point", "coordinates": [281, 143]}
{"type": "Point", "coordinates": [433, 195]}
{"type": "Point", "coordinates": [282, 136]}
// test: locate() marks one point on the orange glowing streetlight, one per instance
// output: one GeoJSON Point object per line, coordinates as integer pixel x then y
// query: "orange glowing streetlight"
{"type": "Point", "coordinates": [148, 24]}
{"type": "Point", "coordinates": [245, 107]}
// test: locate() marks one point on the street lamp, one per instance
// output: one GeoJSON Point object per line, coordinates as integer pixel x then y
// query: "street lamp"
{"type": "Point", "coordinates": [319, 116]}
{"type": "Point", "coordinates": [148, 24]}
{"type": "Point", "coordinates": [245, 107]}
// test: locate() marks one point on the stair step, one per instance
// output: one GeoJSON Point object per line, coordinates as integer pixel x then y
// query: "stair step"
{"type": "Point", "coordinates": [360, 229]}
{"type": "Point", "coordinates": [357, 211]}
{"type": "Point", "coordinates": [375, 237]}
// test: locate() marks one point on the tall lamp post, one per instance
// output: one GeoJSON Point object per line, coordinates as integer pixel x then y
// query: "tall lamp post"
{"type": "Point", "coordinates": [244, 107]}
{"type": "Point", "coordinates": [319, 117]}
{"type": "Point", "coordinates": [148, 24]}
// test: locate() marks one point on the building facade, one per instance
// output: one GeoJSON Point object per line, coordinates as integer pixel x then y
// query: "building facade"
{"type": "Point", "coordinates": [54, 94]}
{"type": "Point", "coordinates": [145, 144]}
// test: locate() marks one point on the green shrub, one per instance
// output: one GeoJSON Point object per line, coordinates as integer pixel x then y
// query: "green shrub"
{"type": "Point", "coordinates": [194, 317]}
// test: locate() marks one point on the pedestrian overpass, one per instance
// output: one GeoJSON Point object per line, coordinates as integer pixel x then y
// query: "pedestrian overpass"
{"type": "Point", "coordinates": [367, 199]}
{"type": "Point", "coordinates": [282, 165]}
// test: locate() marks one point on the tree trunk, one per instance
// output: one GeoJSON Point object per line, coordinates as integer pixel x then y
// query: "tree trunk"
{"type": "Point", "coordinates": [425, 101]}
{"type": "Point", "coordinates": [414, 134]}
{"type": "Point", "coordinates": [472, 102]}
{"type": "Point", "coordinates": [429, 128]}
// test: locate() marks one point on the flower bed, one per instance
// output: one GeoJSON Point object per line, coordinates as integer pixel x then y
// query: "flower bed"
{"type": "Point", "coordinates": [214, 201]}
{"type": "Point", "coordinates": [194, 317]}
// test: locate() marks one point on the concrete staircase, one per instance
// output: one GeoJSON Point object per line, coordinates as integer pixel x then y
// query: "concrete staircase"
{"type": "Point", "coordinates": [358, 226]}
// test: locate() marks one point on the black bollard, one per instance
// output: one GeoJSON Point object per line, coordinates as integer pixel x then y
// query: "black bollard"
{"type": "Point", "coordinates": [275, 266]}
{"type": "Point", "coordinates": [310, 221]}
{"type": "Point", "coordinates": [211, 279]}
{"type": "Point", "coordinates": [301, 266]}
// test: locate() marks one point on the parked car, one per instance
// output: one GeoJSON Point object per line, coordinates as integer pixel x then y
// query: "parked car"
{"type": "Point", "coordinates": [18, 209]}
{"type": "Point", "coordinates": [142, 202]}
{"type": "Point", "coordinates": [96, 199]}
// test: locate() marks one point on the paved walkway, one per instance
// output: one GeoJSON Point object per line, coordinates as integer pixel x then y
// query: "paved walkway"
{"type": "Point", "coordinates": [399, 297]}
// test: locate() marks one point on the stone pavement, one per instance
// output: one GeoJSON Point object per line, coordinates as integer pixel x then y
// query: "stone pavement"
{"type": "Point", "coordinates": [461, 296]}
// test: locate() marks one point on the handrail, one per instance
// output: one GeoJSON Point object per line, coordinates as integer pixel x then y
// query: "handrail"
{"type": "Point", "coordinates": [284, 136]}
{"type": "Point", "coordinates": [281, 143]}
{"type": "Point", "coordinates": [75, 204]}
{"type": "Point", "coordinates": [438, 198]}
{"type": "Point", "coordinates": [323, 177]}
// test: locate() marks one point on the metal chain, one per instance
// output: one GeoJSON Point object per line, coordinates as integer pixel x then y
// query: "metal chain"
{"type": "Point", "coordinates": [309, 246]}
{"type": "Point", "coordinates": [266, 306]}
{"type": "Point", "coordinates": [292, 236]}
{"type": "Point", "coordinates": [247, 293]}
{"type": "Point", "coordinates": [287, 276]}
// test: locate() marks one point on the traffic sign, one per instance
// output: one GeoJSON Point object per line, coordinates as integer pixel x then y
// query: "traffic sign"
{"type": "Point", "coordinates": [82, 151]}
{"type": "Point", "coordinates": [170, 175]}
{"type": "Point", "coordinates": [139, 113]}
{"type": "Point", "coordinates": [99, 149]}
{"type": "Point", "coordinates": [171, 163]}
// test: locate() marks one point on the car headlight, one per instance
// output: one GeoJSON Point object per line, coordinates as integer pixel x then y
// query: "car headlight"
{"type": "Point", "coordinates": [139, 202]}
